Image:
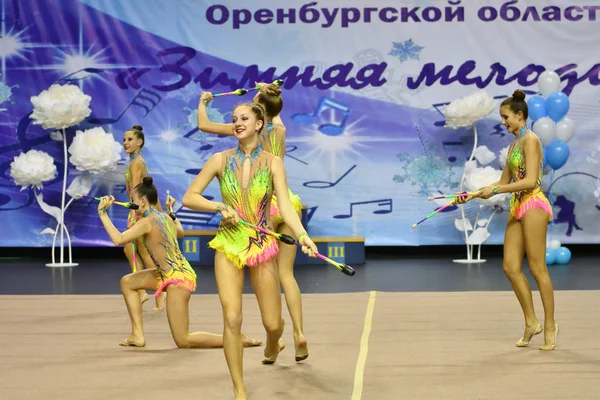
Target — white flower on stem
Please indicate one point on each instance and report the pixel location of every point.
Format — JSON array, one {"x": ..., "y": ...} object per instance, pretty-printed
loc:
[
  {"x": 484, "y": 155},
  {"x": 466, "y": 111},
  {"x": 32, "y": 168},
  {"x": 61, "y": 106},
  {"x": 95, "y": 151},
  {"x": 477, "y": 178}
]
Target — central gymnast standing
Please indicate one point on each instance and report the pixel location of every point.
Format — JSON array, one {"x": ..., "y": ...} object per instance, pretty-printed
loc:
[
  {"x": 272, "y": 140},
  {"x": 247, "y": 176}
]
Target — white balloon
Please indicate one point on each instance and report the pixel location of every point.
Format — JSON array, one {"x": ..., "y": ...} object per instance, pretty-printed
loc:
[
  {"x": 545, "y": 128},
  {"x": 565, "y": 128},
  {"x": 548, "y": 82},
  {"x": 554, "y": 244}
]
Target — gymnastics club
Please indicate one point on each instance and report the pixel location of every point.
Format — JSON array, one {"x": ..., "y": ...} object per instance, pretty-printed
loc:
[
  {"x": 237, "y": 92},
  {"x": 169, "y": 206},
  {"x": 435, "y": 212},
  {"x": 131, "y": 206},
  {"x": 345, "y": 268},
  {"x": 242, "y": 91},
  {"x": 452, "y": 196},
  {"x": 276, "y": 82}
]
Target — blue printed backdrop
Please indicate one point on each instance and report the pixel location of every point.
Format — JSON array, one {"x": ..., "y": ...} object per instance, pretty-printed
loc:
[{"x": 364, "y": 88}]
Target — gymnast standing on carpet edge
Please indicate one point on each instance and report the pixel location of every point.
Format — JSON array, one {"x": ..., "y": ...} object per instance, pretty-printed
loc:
[
  {"x": 158, "y": 233},
  {"x": 248, "y": 177},
  {"x": 530, "y": 213},
  {"x": 272, "y": 139},
  {"x": 133, "y": 143}
]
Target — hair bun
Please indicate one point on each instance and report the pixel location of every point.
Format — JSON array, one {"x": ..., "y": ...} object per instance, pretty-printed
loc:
[
  {"x": 147, "y": 181},
  {"x": 138, "y": 128},
  {"x": 519, "y": 95},
  {"x": 273, "y": 90}
]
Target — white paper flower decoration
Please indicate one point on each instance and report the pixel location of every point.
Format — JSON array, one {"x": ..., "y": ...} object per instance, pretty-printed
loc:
[
  {"x": 484, "y": 155},
  {"x": 95, "y": 151},
  {"x": 60, "y": 107},
  {"x": 466, "y": 111},
  {"x": 477, "y": 178},
  {"x": 32, "y": 168},
  {"x": 503, "y": 156}
]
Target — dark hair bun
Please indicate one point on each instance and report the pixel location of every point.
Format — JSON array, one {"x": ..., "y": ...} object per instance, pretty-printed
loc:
[
  {"x": 273, "y": 90},
  {"x": 519, "y": 95},
  {"x": 137, "y": 128},
  {"x": 147, "y": 181}
]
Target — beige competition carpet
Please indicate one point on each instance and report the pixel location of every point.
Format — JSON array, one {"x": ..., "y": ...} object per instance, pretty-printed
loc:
[{"x": 373, "y": 345}]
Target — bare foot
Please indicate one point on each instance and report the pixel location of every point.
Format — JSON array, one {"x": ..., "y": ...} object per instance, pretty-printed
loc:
[
  {"x": 271, "y": 358},
  {"x": 143, "y": 296},
  {"x": 249, "y": 342},
  {"x": 160, "y": 302},
  {"x": 240, "y": 394},
  {"x": 550, "y": 336},
  {"x": 133, "y": 341},
  {"x": 301, "y": 346},
  {"x": 530, "y": 331}
]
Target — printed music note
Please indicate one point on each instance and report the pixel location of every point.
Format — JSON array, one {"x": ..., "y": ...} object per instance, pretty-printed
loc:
[
  {"x": 289, "y": 149},
  {"x": 325, "y": 184},
  {"x": 145, "y": 99},
  {"x": 310, "y": 211},
  {"x": 122, "y": 188},
  {"x": 197, "y": 218},
  {"x": 90, "y": 71},
  {"x": 437, "y": 108},
  {"x": 380, "y": 203},
  {"x": 325, "y": 103},
  {"x": 454, "y": 149}
]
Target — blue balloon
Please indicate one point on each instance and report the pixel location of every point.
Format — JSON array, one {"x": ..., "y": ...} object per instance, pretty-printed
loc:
[
  {"x": 550, "y": 257},
  {"x": 537, "y": 108},
  {"x": 562, "y": 255},
  {"x": 557, "y": 105},
  {"x": 557, "y": 154}
]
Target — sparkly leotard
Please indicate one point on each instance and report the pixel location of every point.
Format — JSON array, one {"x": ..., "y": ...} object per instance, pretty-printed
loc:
[
  {"x": 247, "y": 186},
  {"x": 273, "y": 142},
  {"x": 525, "y": 200},
  {"x": 171, "y": 266},
  {"x": 133, "y": 217}
]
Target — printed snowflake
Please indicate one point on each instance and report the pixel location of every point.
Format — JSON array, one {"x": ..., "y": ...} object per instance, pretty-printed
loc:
[
  {"x": 213, "y": 114},
  {"x": 6, "y": 93},
  {"x": 405, "y": 51},
  {"x": 187, "y": 93},
  {"x": 428, "y": 172},
  {"x": 209, "y": 143}
]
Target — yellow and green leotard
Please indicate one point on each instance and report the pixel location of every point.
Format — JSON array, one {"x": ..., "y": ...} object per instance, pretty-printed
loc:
[
  {"x": 242, "y": 245},
  {"x": 525, "y": 200},
  {"x": 273, "y": 142},
  {"x": 171, "y": 266}
]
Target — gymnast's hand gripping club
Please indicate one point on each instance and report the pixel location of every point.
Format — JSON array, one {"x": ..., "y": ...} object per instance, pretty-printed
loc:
[
  {"x": 131, "y": 206},
  {"x": 454, "y": 197},
  {"x": 345, "y": 268}
]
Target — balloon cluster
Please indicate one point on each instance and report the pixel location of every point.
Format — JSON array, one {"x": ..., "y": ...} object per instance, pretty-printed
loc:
[
  {"x": 556, "y": 253},
  {"x": 550, "y": 122}
]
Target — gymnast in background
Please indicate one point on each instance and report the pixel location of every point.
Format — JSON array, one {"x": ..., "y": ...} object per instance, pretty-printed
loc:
[
  {"x": 170, "y": 271},
  {"x": 530, "y": 213},
  {"x": 138, "y": 257}
]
